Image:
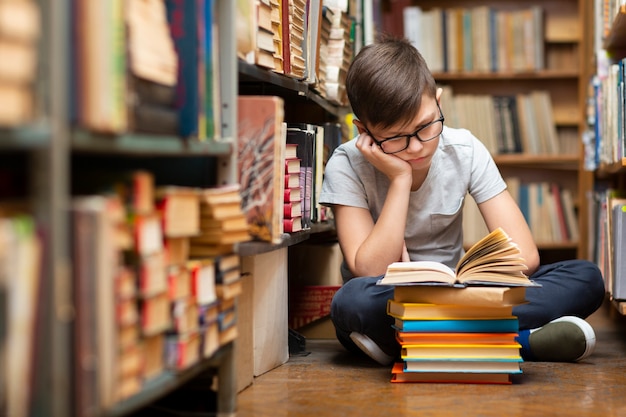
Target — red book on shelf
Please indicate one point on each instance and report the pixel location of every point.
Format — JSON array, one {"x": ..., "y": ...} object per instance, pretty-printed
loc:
[
  {"x": 292, "y": 194},
  {"x": 292, "y": 180},
  {"x": 293, "y": 224},
  {"x": 292, "y": 209},
  {"x": 292, "y": 165}
]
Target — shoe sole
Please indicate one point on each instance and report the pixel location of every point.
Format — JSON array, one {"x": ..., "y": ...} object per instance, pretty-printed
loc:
[{"x": 366, "y": 346}]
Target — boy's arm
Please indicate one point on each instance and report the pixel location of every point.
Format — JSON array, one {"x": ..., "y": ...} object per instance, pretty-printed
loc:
[
  {"x": 369, "y": 247},
  {"x": 503, "y": 211}
]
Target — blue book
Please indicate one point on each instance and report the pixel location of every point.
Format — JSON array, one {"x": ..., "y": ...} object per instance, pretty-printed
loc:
[
  {"x": 504, "y": 325},
  {"x": 184, "y": 20}
]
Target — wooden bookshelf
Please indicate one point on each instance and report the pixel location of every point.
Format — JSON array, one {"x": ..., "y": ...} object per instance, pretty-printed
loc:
[
  {"x": 49, "y": 145},
  {"x": 610, "y": 172}
]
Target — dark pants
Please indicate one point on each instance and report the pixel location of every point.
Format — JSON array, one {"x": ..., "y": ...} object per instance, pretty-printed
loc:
[{"x": 568, "y": 288}]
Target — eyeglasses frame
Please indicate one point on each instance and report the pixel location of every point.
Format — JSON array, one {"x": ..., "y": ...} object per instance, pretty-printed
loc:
[{"x": 409, "y": 136}]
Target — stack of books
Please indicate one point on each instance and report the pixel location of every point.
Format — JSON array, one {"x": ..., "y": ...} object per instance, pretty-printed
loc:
[
  {"x": 292, "y": 207},
  {"x": 459, "y": 327}
]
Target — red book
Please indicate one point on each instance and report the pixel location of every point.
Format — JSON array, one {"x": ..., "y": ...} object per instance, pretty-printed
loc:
[
  {"x": 292, "y": 165},
  {"x": 292, "y": 194},
  {"x": 292, "y": 209},
  {"x": 293, "y": 224},
  {"x": 292, "y": 180}
]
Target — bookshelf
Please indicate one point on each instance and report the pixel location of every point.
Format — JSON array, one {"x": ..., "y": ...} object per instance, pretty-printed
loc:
[
  {"x": 560, "y": 52},
  {"x": 51, "y": 149},
  {"x": 607, "y": 157},
  {"x": 265, "y": 341}
]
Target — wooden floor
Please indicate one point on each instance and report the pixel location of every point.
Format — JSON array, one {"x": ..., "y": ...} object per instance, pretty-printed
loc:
[{"x": 329, "y": 382}]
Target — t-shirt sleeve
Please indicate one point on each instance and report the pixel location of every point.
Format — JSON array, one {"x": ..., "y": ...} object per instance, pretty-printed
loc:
[
  {"x": 342, "y": 185},
  {"x": 486, "y": 181}
]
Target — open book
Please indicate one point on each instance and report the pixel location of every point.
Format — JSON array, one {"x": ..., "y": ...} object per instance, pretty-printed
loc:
[{"x": 494, "y": 260}]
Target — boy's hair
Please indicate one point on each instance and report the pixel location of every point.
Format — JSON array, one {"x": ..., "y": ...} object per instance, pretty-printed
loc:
[{"x": 386, "y": 81}]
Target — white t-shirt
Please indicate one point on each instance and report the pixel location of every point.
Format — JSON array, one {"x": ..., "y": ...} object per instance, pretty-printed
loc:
[{"x": 434, "y": 231}]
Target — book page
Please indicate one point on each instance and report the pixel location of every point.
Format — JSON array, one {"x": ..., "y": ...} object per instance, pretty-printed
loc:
[
  {"x": 417, "y": 271},
  {"x": 494, "y": 259}
]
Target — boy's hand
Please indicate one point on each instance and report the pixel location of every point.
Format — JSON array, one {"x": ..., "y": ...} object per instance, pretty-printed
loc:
[{"x": 390, "y": 165}]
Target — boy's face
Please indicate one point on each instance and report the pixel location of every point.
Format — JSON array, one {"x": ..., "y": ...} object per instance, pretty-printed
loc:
[{"x": 415, "y": 141}]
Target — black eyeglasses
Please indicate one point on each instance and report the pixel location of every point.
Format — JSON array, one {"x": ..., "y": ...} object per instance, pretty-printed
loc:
[{"x": 399, "y": 143}]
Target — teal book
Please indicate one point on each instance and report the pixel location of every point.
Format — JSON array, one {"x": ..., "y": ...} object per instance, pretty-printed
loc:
[{"x": 503, "y": 325}]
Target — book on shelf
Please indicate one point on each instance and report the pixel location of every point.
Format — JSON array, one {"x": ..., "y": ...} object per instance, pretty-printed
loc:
[
  {"x": 151, "y": 106},
  {"x": 199, "y": 250},
  {"x": 99, "y": 67},
  {"x": 211, "y": 114},
  {"x": 407, "y": 310},
  {"x": 185, "y": 24},
  {"x": 228, "y": 224},
  {"x": 203, "y": 280},
  {"x": 152, "y": 359},
  {"x": 245, "y": 21},
  {"x": 277, "y": 29},
  {"x": 493, "y": 260},
  {"x": 229, "y": 290},
  {"x": 292, "y": 180},
  {"x": 185, "y": 316},
  {"x": 154, "y": 313},
  {"x": 180, "y": 210},
  {"x": 292, "y": 209},
  {"x": 176, "y": 250},
  {"x": 151, "y": 274},
  {"x": 21, "y": 259},
  {"x": 20, "y": 30},
  {"x": 220, "y": 237},
  {"x": 97, "y": 265},
  {"x": 178, "y": 282},
  {"x": 19, "y": 106},
  {"x": 292, "y": 224},
  {"x": 296, "y": 33},
  {"x": 617, "y": 243},
  {"x": 261, "y": 164},
  {"x": 304, "y": 135},
  {"x": 399, "y": 375},
  {"x": 182, "y": 351},
  {"x": 293, "y": 194},
  {"x": 292, "y": 165}
]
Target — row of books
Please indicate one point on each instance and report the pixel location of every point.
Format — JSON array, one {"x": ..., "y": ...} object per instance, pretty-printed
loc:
[
  {"x": 302, "y": 39},
  {"x": 607, "y": 238},
  {"x": 145, "y": 66},
  {"x": 147, "y": 301},
  {"x": 548, "y": 208},
  {"x": 20, "y": 31},
  {"x": 477, "y": 39},
  {"x": 281, "y": 167},
  {"x": 458, "y": 326},
  {"x": 607, "y": 116},
  {"x": 522, "y": 123},
  {"x": 21, "y": 258}
]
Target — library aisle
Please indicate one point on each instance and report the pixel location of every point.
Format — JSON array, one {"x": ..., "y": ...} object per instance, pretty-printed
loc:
[{"x": 329, "y": 382}]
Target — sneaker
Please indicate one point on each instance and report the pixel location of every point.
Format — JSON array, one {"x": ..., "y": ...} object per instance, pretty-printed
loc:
[
  {"x": 566, "y": 339},
  {"x": 372, "y": 350}
]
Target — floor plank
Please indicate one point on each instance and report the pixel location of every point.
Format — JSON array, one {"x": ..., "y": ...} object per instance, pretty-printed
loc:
[{"x": 330, "y": 382}]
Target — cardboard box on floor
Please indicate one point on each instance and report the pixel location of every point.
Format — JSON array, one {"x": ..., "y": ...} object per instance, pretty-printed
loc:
[
  {"x": 263, "y": 342},
  {"x": 314, "y": 277}
]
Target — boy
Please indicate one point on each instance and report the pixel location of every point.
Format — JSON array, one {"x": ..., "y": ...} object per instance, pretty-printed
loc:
[{"x": 397, "y": 193}]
